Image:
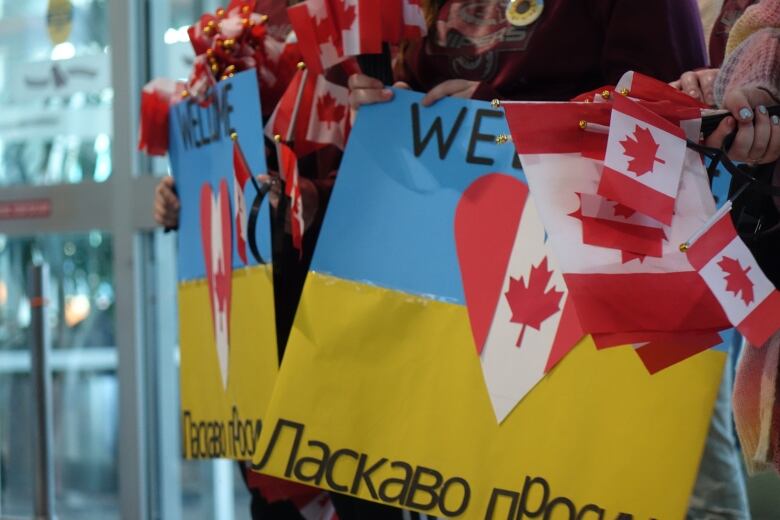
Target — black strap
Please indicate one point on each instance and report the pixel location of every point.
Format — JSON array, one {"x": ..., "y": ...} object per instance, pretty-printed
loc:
[
  {"x": 252, "y": 221},
  {"x": 744, "y": 172}
]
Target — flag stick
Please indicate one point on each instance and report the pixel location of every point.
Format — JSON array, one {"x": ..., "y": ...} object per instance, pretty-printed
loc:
[
  {"x": 234, "y": 137},
  {"x": 685, "y": 246}
]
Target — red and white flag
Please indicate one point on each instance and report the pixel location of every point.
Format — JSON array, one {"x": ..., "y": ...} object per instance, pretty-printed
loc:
[
  {"x": 748, "y": 298},
  {"x": 612, "y": 294},
  {"x": 241, "y": 175},
  {"x": 320, "y": 109},
  {"x": 607, "y": 223},
  {"x": 319, "y": 37},
  {"x": 360, "y": 24},
  {"x": 414, "y": 19},
  {"x": 644, "y": 160},
  {"x": 516, "y": 297},
  {"x": 288, "y": 167},
  {"x": 328, "y": 121}
]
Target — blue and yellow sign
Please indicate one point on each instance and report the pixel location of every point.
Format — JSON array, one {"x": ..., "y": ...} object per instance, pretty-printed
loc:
[
  {"x": 382, "y": 394},
  {"x": 227, "y": 333}
]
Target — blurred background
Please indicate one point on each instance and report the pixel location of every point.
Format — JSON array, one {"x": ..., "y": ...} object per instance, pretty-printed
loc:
[{"x": 75, "y": 193}]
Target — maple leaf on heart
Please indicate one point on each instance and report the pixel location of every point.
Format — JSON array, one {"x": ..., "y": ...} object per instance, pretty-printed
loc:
[
  {"x": 621, "y": 210},
  {"x": 221, "y": 286},
  {"x": 643, "y": 150},
  {"x": 737, "y": 279},
  {"x": 533, "y": 303},
  {"x": 329, "y": 111}
]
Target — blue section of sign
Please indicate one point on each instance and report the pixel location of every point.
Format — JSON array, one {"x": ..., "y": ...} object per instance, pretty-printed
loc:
[
  {"x": 390, "y": 220},
  {"x": 201, "y": 151}
]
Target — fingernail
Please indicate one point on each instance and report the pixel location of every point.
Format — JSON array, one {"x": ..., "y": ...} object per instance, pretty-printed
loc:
[
  {"x": 387, "y": 92},
  {"x": 745, "y": 113},
  {"x": 775, "y": 120},
  {"x": 762, "y": 109},
  {"x": 730, "y": 121}
]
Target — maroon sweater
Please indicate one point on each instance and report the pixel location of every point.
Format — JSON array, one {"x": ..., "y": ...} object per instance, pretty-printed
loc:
[{"x": 575, "y": 46}]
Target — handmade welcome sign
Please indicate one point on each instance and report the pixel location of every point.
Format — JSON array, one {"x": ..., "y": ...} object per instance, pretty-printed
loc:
[
  {"x": 436, "y": 362},
  {"x": 227, "y": 333}
]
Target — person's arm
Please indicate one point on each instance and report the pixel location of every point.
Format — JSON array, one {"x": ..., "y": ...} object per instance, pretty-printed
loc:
[{"x": 659, "y": 38}]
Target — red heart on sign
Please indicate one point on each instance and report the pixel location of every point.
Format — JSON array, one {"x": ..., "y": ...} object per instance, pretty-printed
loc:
[
  {"x": 215, "y": 230},
  {"x": 486, "y": 222}
]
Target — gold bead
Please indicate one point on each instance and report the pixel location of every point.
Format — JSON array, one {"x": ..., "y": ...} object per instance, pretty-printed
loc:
[
  {"x": 185, "y": 93},
  {"x": 220, "y": 13},
  {"x": 278, "y": 138},
  {"x": 208, "y": 30},
  {"x": 245, "y": 9},
  {"x": 606, "y": 94},
  {"x": 245, "y": 22},
  {"x": 495, "y": 103},
  {"x": 301, "y": 65},
  {"x": 501, "y": 139},
  {"x": 264, "y": 18},
  {"x": 624, "y": 91},
  {"x": 684, "y": 247},
  {"x": 214, "y": 68},
  {"x": 234, "y": 136},
  {"x": 582, "y": 124}
]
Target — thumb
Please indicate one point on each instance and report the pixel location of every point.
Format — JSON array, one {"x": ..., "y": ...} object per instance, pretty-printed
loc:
[
  {"x": 724, "y": 129},
  {"x": 401, "y": 84}
]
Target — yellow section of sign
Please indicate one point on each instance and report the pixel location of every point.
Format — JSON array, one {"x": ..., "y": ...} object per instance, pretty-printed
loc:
[
  {"x": 59, "y": 20},
  {"x": 395, "y": 376},
  {"x": 218, "y": 422}
]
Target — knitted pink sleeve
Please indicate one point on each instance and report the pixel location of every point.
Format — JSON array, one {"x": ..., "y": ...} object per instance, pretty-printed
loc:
[
  {"x": 755, "y": 63},
  {"x": 754, "y": 57}
]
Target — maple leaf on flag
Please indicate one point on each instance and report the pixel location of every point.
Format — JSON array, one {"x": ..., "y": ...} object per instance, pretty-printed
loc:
[
  {"x": 642, "y": 150},
  {"x": 532, "y": 304},
  {"x": 737, "y": 279},
  {"x": 329, "y": 111},
  {"x": 621, "y": 210},
  {"x": 345, "y": 16}
]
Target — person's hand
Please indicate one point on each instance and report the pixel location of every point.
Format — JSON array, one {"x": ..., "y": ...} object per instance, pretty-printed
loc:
[
  {"x": 274, "y": 190},
  {"x": 757, "y": 140},
  {"x": 166, "y": 204},
  {"x": 698, "y": 84},
  {"x": 459, "y": 88},
  {"x": 365, "y": 90}
]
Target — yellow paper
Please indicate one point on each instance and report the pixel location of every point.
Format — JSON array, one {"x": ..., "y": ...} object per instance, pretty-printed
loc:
[
  {"x": 396, "y": 376},
  {"x": 222, "y": 422}
]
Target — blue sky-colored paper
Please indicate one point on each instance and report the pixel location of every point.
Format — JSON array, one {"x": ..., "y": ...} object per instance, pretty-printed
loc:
[
  {"x": 390, "y": 221},
  {"x": 194, "y": 166}
]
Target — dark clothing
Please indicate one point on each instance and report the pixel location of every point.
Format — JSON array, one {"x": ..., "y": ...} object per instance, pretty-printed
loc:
[{"x": 575, "y": 46}]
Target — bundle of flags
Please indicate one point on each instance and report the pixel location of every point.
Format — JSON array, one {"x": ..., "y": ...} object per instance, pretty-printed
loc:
[
  {"x": 332, "y": 31},
  {"x": 619, "y": 191}
]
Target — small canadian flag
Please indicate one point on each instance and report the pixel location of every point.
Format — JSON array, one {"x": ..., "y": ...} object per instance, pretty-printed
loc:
[
  {"x": 606, "y": 223},
  {"x": 749, "y": 299},
  {"x": 318, "y": 35},
  {"x": 644, "y": 160},
  {"x": 361, "y": 25},
  {"x": 288, "y": 164},
  {"x": 241, "y": 175},
  {"x": 317, "y": 109}
]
